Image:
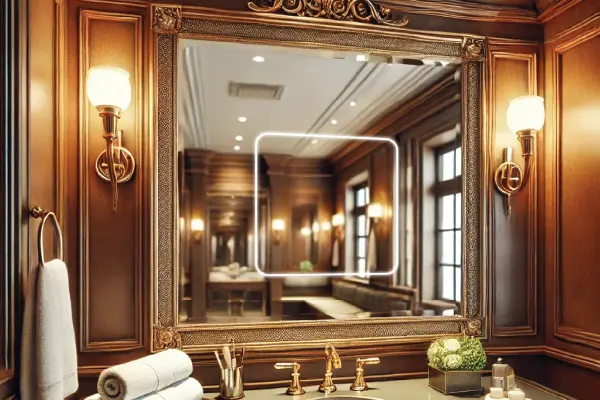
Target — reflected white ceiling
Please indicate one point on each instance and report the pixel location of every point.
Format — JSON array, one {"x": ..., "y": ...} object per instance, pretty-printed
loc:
[{"x": 318, "y": 87}]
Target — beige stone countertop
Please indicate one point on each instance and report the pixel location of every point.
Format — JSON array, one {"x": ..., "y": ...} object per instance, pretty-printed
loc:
[{"x": 412, "y": 389}]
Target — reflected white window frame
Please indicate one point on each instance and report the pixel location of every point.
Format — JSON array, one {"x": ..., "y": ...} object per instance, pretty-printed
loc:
[
  {"x": 441, "y": 151},
  {"x": 395, "y": 199}
]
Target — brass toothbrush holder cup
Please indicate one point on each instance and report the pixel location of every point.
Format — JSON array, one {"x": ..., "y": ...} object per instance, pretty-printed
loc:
[{"x": 231, "y": 386}]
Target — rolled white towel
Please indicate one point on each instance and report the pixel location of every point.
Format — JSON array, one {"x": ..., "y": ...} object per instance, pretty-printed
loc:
[
  {"x": 147, "y": 375},
  {"x": 188, "y": 389}
]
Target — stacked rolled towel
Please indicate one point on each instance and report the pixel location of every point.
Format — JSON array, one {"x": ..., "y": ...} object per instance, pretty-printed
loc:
[{"x": 161, "y": 376}]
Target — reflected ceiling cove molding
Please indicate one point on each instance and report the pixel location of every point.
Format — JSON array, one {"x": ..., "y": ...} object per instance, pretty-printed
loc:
[
  {"x": 366, "y": 11},
  {"x": 194, "y": 101}
]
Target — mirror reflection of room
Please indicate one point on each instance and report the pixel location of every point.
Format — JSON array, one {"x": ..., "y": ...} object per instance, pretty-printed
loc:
[{"x": 324, "y": 206}]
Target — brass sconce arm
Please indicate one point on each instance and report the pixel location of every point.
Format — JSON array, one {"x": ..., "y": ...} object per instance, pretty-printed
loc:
[
  {"x": 509, "y": 178},
  {"x": 527, "y": 140},
  {"x": 116, "y": 164}
]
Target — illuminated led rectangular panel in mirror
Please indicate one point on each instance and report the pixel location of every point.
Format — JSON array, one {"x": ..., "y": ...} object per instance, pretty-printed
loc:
[
  {"x": 350, "y": 248},
  {"x": 350, "y": 207}
]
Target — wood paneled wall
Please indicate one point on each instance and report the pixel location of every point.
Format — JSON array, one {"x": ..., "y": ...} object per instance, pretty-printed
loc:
[
  {"x": 513, "y": 70},
  {"x": 110, "y": 255},
  {"x": 571, "y": 190}
]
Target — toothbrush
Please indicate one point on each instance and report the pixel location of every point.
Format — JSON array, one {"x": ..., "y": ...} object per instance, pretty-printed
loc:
[
  {"x": 227, "y": 356},
  {"x": 218, "y": 359}
]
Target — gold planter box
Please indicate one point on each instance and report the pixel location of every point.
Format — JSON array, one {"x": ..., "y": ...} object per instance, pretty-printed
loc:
[{"x": 453, "y": 382}]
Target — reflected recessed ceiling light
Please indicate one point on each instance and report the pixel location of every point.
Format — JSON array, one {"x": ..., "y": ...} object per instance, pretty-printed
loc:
[
  {"x": 334, "y": 121},
  {"x": 242, "y": 119},
  {"x": 314, "y": 141},
  {"x": 239, "y": 138},
  {"x": 258, "y": 59},
  {"x": 361, "y": 57},
  {"x": 352, "y": 103},
  {"x": 236, "y": 147}
]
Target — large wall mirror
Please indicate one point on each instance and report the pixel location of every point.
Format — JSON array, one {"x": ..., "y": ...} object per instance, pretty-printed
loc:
[{"x": 385, "y": 233}]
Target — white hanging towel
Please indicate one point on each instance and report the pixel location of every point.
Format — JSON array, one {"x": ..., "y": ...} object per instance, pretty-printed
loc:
[
  {"x": 335, "y": 257},
  {"x": 49, "y": 351},
  {"x": 372, "y": 252}
]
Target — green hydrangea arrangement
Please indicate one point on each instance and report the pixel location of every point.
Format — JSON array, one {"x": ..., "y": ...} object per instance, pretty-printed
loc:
[{"x": 457, "y": 354}]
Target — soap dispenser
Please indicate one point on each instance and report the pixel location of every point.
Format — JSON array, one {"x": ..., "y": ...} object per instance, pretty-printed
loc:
[{"x": 500, "y": 372}]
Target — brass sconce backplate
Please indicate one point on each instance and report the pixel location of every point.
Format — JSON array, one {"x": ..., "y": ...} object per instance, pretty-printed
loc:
[
  {"x": 508, "y": 177},
  {"x": 124, "y": 163}
]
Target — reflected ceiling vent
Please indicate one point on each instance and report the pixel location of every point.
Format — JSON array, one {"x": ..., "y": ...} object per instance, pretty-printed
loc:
[{"x": 255, "y": 91}]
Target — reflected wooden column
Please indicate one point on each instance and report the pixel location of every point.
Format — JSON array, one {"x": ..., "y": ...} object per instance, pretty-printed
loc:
[
  {"x": 280, "y": 209},
  {"x": 197, "y": 162}
]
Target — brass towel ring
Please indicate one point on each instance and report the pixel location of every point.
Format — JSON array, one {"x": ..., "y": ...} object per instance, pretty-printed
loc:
[{"x": 38, "y": 212}]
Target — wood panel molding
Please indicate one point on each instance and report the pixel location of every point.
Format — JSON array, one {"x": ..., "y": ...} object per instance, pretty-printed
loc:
[
  {"x": 570, "y": 39},
  {"x": 572, "y": 358},
  {"x": 97, "y": 47},
  {"x": 554, "y": 9},
  {"x": 526, "y": 202}
]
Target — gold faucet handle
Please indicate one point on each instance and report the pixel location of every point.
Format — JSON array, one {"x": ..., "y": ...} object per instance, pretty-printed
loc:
[
  {"x": 366, "y": 361},
  {"x": 295, "y": 387},
  {"x": 359, "y": 383}
]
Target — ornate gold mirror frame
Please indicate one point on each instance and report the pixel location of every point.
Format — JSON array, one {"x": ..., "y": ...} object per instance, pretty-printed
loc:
[{"x": 343, "y": 25}]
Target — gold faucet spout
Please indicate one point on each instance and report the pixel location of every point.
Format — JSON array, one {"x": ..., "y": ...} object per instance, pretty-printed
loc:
[{"x": 332, "y": 360}]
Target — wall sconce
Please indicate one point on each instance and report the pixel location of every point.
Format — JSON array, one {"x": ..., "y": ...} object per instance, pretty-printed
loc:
[
  {"x": 325, "y": 226},
  {"x": 109, "y": 90},
  {"x": 337, "y": 221},
  {"x": 305, "y": 231},
  {"x": 278, "y": 226},
  {"x": 374, "y": 212},
  {"x": 525, "y": 116},
  {"x": 197, "y": 228}
]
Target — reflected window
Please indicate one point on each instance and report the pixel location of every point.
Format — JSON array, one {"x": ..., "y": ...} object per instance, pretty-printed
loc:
[
  {"x": 361, "y": 228},
  {"x": 448, "y": 222}
]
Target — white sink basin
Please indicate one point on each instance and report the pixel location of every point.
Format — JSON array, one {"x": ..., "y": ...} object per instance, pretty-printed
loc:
[{"x": 346, "y": 397}]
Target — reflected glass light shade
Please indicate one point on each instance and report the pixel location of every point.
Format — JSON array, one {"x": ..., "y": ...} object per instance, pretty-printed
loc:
[
  {"x": 315, "y": 227},
  {"x": 525, "y": 113},
  {"x": 326, "y": 226},
  {"x": 305, "y": 231},
  {"x": 278, "y": 224},
  {"x": 337, "y": 220},
  {"x": 375, "y": 210},
  {"x": 197, "y": 225},
  {"x": 108, "y": 86}
]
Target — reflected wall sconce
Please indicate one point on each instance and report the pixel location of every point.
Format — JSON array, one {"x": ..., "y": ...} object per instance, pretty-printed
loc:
[
  {"x": 375, "y": 212},
  {"x": 109, "y": 90},
  {"x": 337, "y": 221},
  {"x": 525, "y": 117},
  {"x": 305, "y": 231},
  {"x": 197, "y": 228},
  {"x": 325, "y": 226},
  {"x": 278, "y": 226}
]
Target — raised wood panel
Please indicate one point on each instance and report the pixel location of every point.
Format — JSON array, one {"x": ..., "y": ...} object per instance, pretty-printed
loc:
[
  {"x": 574, "y": 187},
  {"x": 513, "y": 275},
  {"x": 110, "y": 243}
]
